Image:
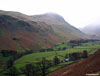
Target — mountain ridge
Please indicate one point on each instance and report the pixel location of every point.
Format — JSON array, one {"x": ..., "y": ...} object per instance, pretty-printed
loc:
[
  {"x": 93, "y": 30},
  {"x": 33, "y": 32}
]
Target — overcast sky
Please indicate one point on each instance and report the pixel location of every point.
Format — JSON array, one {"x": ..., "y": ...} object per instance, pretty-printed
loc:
[{"x": 79, "y": 13}]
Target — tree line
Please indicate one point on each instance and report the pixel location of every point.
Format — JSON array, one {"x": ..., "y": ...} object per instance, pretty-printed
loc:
[
  {"x": 41, "y": 67},
  {"x": 37, "y": 69},
  {"x": 74, "y": 43}
]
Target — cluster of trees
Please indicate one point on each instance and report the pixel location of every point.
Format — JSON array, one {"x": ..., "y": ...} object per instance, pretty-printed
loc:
[
  {"x": 83, "y": 41},
  {"x": 59, "y": 49},
  {"x": 56, "y": 60},
  {"x": 13, "y": 71},
  {"x": 6, "y": 53},
  {"x": 79, "y": 42},
  {"x": 40, "y": 68},
  {"x": 48, "y": 49},
  {"x": 77, "y": 55},
  {"x": 51, "y": 49},
  {"x": 13, "y": 55},
  {"x": 85, "y": 54},
  {"x": 37, "y": 69}
]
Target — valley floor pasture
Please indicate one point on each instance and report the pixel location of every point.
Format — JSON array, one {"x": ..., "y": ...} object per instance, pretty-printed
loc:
[
  {"x": 60, "y": 51},
  {"x": 91, "y": 47}
]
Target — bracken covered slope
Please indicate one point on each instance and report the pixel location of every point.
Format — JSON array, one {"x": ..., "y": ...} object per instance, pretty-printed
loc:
[
  {"x": 28, "y": 35},
  {"x": 34, "y": 32},
  {"x": 89, "y": 66}
]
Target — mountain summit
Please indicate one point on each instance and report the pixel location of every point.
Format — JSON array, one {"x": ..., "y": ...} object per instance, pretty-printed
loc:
[
  {"x": 18, "y": 30},
  {"x": 51, "y": 16}
]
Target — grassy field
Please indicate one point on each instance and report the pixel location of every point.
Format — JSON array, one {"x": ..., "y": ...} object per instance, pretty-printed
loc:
[{"x": 91, "y": 47}]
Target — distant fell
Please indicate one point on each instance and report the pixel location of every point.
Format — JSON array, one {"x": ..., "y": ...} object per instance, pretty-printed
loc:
[{"x": 93, "y": 30}]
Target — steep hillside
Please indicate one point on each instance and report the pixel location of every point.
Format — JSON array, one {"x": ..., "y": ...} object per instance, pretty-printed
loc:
[
  {"x": 30, "y": 36},
  {"x": 34, "y": 32},
  {"x": 89, "y": 66},
  {"x": 60, "y": 26}
]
